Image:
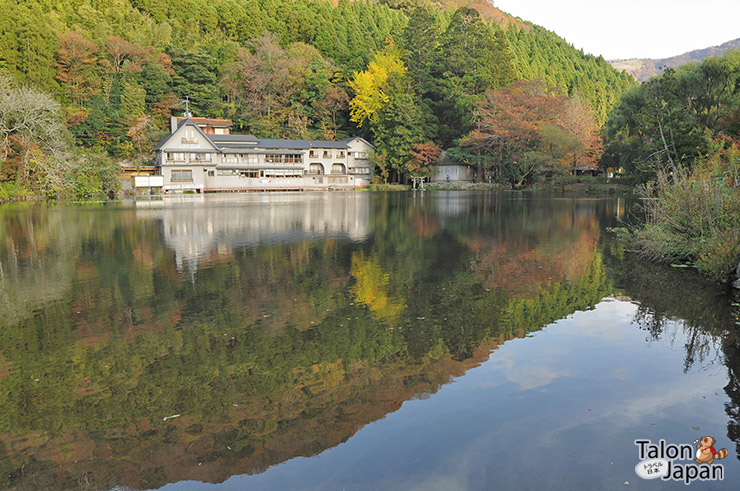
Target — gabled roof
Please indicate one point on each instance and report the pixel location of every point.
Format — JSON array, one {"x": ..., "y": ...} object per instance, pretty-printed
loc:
[
  {"x": 161, "y": 142},
  {"x": 184, "y": 122},
  {"x": 327, "y": 144},
  {"x": 222, "y": 142},
  {"x": 353, "y": 138}
]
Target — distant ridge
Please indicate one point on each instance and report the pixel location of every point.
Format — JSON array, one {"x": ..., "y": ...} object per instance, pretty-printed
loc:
[
  {"x": 486, "y": 8},
  {"x": 488, "y": 11},
  {"x": 645, "y": 68}
]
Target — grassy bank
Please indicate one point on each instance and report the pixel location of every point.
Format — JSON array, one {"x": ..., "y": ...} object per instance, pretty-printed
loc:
[
  {"x": 388, "y": 187},
  {"x": 461, "y": 186},
  {"x": 566, "y": 184},
  {"x": 692, "y": 217},
  {"x": 586, "y": 184}
]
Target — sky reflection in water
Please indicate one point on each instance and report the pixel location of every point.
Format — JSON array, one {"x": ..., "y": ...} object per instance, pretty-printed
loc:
[{"x": 559, "y": 409}]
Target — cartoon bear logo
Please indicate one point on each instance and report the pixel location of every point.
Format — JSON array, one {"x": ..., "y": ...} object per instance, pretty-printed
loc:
[{"x": 705, "y": 452}]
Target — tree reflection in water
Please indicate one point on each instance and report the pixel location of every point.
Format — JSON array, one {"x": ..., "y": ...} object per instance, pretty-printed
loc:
[{"x": 707, "y": 317}]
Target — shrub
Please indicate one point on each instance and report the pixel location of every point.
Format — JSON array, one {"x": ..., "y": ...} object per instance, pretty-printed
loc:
[
  {"x": 11, "y": 190},
  {"x": 94, "y": 177},
  {"x": 694, "y": 216}
]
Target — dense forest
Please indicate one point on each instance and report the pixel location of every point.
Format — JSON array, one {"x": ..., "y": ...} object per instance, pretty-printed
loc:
[{"x": 408, "y": 76}]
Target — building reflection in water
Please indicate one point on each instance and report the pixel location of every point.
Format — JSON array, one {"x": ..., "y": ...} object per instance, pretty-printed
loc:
[{"x": 195, "y": 227}]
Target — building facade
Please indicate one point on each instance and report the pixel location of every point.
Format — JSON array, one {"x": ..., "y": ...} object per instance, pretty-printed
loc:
[
  {"x": 191, "y": 160},
  {"x": 447, "y": 170}
]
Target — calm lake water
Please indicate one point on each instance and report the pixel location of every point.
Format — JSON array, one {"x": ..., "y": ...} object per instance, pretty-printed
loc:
[{"x": 437, "y": 340}]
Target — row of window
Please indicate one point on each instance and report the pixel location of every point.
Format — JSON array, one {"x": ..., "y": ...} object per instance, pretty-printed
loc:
[
  {"x": 278, "y": 158},
  {"x": 241, "y": 158},
  {"x": 251, "y": 158},
  {"x": 234, "y": 172},
  {"x": 194, "y": 157},
  {"x": 291, "y": 174},
  {"x": 360, "y": 170},
  {"x": 258, "y": 173},
  {"x": 326, "y": 154},
  {"x": 316, "y": 168},
  {"x": 186, "y": 175}
]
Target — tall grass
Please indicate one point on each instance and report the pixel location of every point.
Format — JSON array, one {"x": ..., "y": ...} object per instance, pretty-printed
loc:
[{"x": 693, "y": 216}]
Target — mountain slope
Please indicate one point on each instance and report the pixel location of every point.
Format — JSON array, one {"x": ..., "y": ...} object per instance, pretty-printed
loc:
[
  {"x": 645, "y": 68},
  {"x": 487, "y": 9}
]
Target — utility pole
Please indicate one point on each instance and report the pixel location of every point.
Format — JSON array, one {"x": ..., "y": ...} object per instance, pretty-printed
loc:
[{"x": 187, "y": 106}]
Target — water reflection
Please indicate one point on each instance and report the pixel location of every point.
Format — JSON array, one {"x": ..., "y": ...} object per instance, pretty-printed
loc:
[
  {"x": 197, "y": 226},
  {"x": 310, "y": 316}
]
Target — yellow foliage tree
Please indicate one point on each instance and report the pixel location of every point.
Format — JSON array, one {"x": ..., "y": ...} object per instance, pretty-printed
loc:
[{"x": 371, "y": 85}]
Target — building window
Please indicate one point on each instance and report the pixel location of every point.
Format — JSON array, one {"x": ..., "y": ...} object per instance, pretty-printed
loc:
[
  {"x": 327, "y": 154},
  {"x": 273, "y": 158},
  {"x": 360, "y": 170},
  {"x": 248, "y": 158},
  {"x": 250, "y": 173},
  {"x": 176, "y": 157},
  {"x": 337, "y": 169},
  {"x": 219, "y": 131},
  {"x": 315, "y": 169},
  {"x": 314, "y": 154},
  {"x": 188, "y": 138},
  {"x": 293, "y": 158},
  {"x": 211, "y": 173},
  {"x": 361, "y": 155},
  {"x": 200, "y": 157},
  {"x": 227, "y": 172},
  {"x": 230, "y": 158},
  {"x": 283, "y": 174},
  {"x": 182, "y": 175},
  {"x": 340, "y": 154}
]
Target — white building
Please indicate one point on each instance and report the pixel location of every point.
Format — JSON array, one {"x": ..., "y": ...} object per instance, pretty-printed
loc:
[
  {"x": 448, "y": 171},
  {"x": 191, "y": 160}
]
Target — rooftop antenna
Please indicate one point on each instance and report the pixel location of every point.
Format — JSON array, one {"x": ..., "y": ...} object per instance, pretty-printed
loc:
[{"x": 187, "y": 106}]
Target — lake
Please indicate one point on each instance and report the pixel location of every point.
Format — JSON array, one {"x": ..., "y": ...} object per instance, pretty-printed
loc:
[{"x": 358, "y": 340}]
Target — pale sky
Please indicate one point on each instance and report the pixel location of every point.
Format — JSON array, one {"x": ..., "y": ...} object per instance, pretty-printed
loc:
[{"x": 618, "y": 29}]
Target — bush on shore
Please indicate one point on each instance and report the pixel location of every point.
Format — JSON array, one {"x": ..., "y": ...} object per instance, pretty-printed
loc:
[
  {"x": 12, "y": 191},
  {"x": 693, "y": 216}
]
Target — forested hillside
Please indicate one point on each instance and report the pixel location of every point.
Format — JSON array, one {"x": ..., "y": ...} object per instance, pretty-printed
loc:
[{"x": 283, "y": 68}]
